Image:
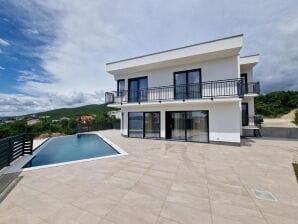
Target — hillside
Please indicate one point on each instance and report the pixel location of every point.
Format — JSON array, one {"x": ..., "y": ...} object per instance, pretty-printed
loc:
[
  {"x": 276, "y": 104},
  {"x": 76, "y": 111}
]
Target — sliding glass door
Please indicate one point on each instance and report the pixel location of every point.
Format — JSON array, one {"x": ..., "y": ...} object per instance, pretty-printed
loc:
[
  {"x": 187, "y": 84},
  {"x": 152, "y": 124},
  {"x": 137, "y": 89},
  {"x": 144, "y": 124},
  {"x": 188, "y": 126},
  {"x": 197, "y": 126},
  {"x": 135, "y": 124}
]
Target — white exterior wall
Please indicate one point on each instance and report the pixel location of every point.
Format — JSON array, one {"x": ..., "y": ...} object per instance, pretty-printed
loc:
[
  {"x": 249, "y": 73},
  {"x": 224, "y": 118},
  {"x": 219, "y": 69}
]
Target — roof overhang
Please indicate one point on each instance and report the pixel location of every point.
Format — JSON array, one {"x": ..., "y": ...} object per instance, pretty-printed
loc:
[
  {"x": 210, "y": 50},
  {"x": 248, "y": 62}
]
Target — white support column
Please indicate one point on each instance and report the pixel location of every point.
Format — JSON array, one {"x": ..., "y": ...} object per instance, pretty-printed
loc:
[{"x": 162, "y": 124}]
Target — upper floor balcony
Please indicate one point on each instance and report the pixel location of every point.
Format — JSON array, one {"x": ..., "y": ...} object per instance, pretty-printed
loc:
[{"x": 204, "y": 90}]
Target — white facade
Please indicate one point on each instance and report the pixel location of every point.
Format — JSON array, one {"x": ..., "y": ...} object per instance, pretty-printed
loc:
[{"x": 219, "y": 67}]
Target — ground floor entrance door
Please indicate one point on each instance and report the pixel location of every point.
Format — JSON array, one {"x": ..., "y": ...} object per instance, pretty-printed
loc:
[{"x": 187, "y": 126}]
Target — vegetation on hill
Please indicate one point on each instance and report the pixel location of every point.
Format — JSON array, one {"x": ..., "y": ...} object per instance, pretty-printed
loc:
[
  {"x": 61, "y": 121},
  {"x": 276, "y": 104},
  {"x": 296, "y": 118},
  {"x": 76, "y": 112}
]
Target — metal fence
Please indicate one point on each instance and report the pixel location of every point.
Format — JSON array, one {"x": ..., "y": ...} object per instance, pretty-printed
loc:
[
  {"x": 13, "y": 147},
  {"x": 97, "y": 127}
]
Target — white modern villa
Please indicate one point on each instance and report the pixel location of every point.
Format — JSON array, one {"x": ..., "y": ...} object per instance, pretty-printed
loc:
[{"x": 199, "y": 93}]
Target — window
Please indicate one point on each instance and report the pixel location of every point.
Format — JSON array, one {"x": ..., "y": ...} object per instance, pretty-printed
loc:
[
  {"x": 120, "y": 87},
  {"x": 187, "y": 84}
]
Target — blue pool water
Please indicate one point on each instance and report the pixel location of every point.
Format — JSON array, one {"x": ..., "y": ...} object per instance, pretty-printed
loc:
[{"x": 71, "y": 148}]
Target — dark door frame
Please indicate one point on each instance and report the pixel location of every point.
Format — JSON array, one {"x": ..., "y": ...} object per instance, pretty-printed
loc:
[
  {"x": 143, "y": 121},
  {"x": 134, "y": 79},
  {"x": 186, "y": 88},
  {"x": 244, "y": 75},
  {"x": 244, "y": 124},
  {"x": 168, "y": 127}
]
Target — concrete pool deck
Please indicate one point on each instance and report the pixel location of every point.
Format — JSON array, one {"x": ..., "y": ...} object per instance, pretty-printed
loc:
[{"x": 162, "y": 182}]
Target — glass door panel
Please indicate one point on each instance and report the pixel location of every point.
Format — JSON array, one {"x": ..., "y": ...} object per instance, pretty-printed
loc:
[
  {"x": 180, "y": 85},
  {"x": 197, "y": 126},
  {"x": 133, "y": 87},
  {"x": 177, "y": 125},
  {"x": 143, "y": 85},
  {"x": 135, "y": 124},
  {"x": 194, "y": 84},
  {"x": 152, "y": 124},
  {"x": 137, "y": 89},
  {"x": 244, "y": 81}
]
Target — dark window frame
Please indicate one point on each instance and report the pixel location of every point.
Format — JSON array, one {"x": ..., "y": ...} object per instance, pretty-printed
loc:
[{"x": 186, "y": 89}]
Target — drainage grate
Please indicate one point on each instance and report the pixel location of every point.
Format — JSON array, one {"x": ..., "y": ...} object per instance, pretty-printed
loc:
[{"x": 264, "y": 195}]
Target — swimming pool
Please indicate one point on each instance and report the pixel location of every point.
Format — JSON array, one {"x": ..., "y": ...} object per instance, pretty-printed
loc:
[{"x": 70, "y": 148}]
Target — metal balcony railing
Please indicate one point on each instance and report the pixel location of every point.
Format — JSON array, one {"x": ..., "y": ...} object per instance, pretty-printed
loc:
[
  {"x": 252, "y": 87},
  {"x": 210, "y": 89}
]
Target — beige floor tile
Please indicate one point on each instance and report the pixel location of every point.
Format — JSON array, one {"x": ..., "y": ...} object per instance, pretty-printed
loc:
[
  {"x": 232, "y": 199},
  {"x": 124, "y": 214},
  {"x": 189, "y": 200},
  {"x": 240, "y": 214},
  {"x": 163, "y": 220},
  {"x": 20, "y": 216},
  {"x": 95, "y": 205},
  {"x": 275, "y": 219},
  {"x": 156, "y": 181},
  {"x": 42, "y": 206},
  {"x": 150, "y": 190},
  {"x": 128, "y": 175},
  {"x": 108, "y": 191},
  {"x": 193, "y": 189},
  {"x": 121, "y": 182},
  {"x": 185, "y": 215},
  {"x": 144, "y": 202}
]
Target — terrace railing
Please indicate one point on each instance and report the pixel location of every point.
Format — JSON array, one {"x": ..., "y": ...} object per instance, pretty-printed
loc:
[
  {"x": 13, "y": 147},
  {"x": 210, "y": 89},
  {"x": 252, "y": 87}
]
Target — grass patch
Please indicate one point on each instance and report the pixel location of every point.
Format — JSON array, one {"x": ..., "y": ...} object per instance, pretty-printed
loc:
[{"x": 295, "y": 166}]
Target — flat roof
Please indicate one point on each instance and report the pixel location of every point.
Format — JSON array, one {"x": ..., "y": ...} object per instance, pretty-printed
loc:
[
  {"x": 208, "y": 50},
  {"x": 173, "y": 49}
]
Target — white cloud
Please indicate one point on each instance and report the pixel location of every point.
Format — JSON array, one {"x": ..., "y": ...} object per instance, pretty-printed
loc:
[
  {"x": 2, "y": 68},
  {"x": 19, "y": 104},
  {"x": 81, "y": 36},
  {"x": 4, "y": 42}
]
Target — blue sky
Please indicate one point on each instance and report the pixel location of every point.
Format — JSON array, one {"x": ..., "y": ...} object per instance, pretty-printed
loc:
[{"x": 53, "y": 53}]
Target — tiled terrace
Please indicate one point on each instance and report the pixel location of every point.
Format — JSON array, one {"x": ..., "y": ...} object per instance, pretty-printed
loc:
[{"x": 162, "y": 182}]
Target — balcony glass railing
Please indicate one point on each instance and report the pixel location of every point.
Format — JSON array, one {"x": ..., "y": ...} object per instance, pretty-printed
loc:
[{"x": 210, "y": 89}]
